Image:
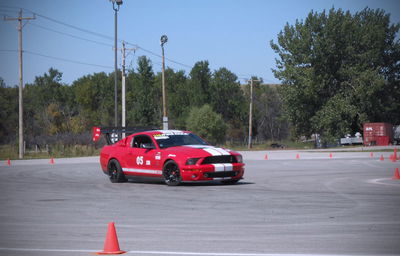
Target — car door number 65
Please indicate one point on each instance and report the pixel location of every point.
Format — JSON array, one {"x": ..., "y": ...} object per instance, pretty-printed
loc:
[{"x": 139, "y": 160}]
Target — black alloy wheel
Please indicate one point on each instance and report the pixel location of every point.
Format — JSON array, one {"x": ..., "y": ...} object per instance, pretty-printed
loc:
[
  {"x": 115, "y": 172},
  {"x": 171, "y": 173}
]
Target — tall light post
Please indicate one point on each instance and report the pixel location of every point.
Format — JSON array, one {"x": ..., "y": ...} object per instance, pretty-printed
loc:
[
  {"x": 163, "y": 40},
  {"x": 251, "y": 112},
  {"x": 116, "y": 5}
]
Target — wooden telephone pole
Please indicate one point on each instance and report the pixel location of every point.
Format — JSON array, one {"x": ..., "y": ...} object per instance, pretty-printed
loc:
[{"x": 21, "y": 85}]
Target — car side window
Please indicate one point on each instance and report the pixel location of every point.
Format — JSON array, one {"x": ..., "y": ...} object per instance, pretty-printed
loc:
[{"x": 140, "y": 140}]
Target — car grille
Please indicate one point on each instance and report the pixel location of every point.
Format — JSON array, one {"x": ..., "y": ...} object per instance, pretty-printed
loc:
[
  {"x": 227, "y": 159},
  {"x": 220, "y": 174}
]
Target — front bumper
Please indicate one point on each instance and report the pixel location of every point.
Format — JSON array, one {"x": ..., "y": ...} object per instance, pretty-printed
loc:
[{"x": 213, "y": 172}]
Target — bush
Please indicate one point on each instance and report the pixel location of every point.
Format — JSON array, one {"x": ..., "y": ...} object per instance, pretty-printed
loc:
[{"x": 207, "y": 124}]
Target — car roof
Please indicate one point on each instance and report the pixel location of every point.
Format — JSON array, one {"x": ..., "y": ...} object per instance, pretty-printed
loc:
[{"x": 168, "y": 132}]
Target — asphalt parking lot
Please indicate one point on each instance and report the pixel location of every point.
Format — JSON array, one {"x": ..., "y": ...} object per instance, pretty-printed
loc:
[{"x": 313, "y": 204}]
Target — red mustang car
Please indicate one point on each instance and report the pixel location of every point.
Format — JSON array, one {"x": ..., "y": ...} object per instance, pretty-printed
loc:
[{"x": 175, "y": 156}]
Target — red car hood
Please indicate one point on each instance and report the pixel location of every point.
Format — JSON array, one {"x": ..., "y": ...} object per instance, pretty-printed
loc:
[{"x": 199, "y": 151}]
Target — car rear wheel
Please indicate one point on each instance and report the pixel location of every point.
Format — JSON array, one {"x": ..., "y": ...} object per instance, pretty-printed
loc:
[
  {"x": 171, "y": 173},
  {"x": 115, "y": 172}
]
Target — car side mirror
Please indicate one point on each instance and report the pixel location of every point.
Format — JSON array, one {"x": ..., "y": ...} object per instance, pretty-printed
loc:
[{"x": 148, "y": 146}]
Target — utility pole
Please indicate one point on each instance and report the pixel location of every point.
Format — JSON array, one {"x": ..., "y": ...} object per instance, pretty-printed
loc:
[
  {"x": 251, "y": 111},
  {"x": 123, "y": 50},
  {"x": 21, "y": 84}
]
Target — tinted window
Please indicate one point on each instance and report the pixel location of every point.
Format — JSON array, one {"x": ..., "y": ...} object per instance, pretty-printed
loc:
[
  {"x": 139, "y": 140},
  {"x": 173, "y": 140}
]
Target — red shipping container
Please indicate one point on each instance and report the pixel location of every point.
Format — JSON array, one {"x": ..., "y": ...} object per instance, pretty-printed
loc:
[{"x": 380, "y": 134}]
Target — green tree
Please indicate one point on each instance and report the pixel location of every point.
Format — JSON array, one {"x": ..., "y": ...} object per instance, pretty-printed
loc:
[
  {"x": 339, "y": 70},
  {"x": 226, "y": 97},
  {"x": 47, "y": 90},
  {"x": 8, "y": 112},
  {"x": 146, "y": 96},
  {"x": 270, "y": 122},
  {"x": 94, "y": 95},
  {"x": 207, "y": 124},
  {"x": 199, "y": 83},
  {"x": 178, "y": 97}
]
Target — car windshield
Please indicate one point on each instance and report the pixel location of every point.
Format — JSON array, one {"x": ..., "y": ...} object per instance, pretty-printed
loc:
[{"x": 166, "y": 140}]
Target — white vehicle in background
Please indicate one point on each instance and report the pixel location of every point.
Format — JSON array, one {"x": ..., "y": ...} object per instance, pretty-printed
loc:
[
  {"x": 348, "y": 140},
  {"x": 396, "y": 134}
]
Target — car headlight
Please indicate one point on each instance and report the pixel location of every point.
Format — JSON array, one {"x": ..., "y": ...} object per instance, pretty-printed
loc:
[
  {"x": 192, "y": 161},
  {"x": 239, "y": 158}
]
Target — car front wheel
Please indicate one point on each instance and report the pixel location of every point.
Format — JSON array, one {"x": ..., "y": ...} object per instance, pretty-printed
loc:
[{"x": 171, "y": 173}]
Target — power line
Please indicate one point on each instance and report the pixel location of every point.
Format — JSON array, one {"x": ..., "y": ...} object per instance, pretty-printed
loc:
[
  {"x": 96, "y": 34},
  {"x": 8, "y": 50},
  {"x": 70, "y": 35},
  {"x": 59, "y": 22},
  {"x": 67, "y": 60},
  {"x": 158, "y": 55},
  {"x": 57, "y": 58}
]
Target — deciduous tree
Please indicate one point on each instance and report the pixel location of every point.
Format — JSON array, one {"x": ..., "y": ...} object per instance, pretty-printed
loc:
[{"x": 339, "y": 70}]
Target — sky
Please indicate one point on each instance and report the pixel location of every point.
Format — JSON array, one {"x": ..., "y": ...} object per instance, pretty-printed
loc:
[{"x": 76, "y": 37}]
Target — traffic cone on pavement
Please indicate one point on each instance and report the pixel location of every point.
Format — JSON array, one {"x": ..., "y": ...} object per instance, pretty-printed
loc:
[
  {"x": 111, "y": 245},
  {"x": 396, "y": 175},
  {"x": 371, "y": 154},
  {"x": 8, "y": 162},
  {"x": 330, "y": 155},
  {"x": 266, "y": 157},
  {"x": 297, "y": 156},
  {"x": 395, "y": 154},
  {"x": 381, "y": 158},
  {"x": 52, "y": 160}
]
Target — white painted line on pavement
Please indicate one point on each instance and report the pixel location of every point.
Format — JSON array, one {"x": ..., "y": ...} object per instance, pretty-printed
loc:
[
  {"x": 44, "y": 250},
  {"x": 173, "y": 253},
  {"x": 380, "y": 182},
  {"x": 228, "y": 254}
]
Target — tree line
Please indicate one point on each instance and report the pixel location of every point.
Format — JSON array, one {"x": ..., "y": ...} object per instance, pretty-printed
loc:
[{"x": 212, "y": 103}]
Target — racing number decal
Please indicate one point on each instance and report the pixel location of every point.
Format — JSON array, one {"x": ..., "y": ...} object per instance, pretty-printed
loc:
[{"x": 139, "y": 160}]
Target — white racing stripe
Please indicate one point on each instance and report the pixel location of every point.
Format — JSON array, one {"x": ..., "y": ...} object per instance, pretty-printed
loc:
[
  {"x": 222, "y": 151},
  {"x": 142, "y": 171},
  {"x": 223, "y": 167},
  {"x": 212, "y": 151},
  {"x": 219, "y": 167}
]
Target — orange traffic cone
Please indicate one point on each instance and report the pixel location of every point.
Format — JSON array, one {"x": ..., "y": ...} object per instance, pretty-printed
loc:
[
  {"x": 330, "y": 155},
  {"x": 393, "y": 158},
  {"x": 52, "y": 160},
  {"x": 111, "y": 245},
  {"x": 8, "y": 162},
  {"x": 266, "y": 157},
  {"x": 381, "y": 158},
  {"x": 395, "y": 154},
  {"x": 371, "y": 154},
  {"x": 396, "y": 175},
  {"x": 297, "y": 156}
]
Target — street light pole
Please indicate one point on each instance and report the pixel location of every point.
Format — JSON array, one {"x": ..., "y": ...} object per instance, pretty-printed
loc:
[
  {"x": 116, "y": 9},
  {"x": 251, "y": 113},
  {"x": 163, "y": 40}
]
